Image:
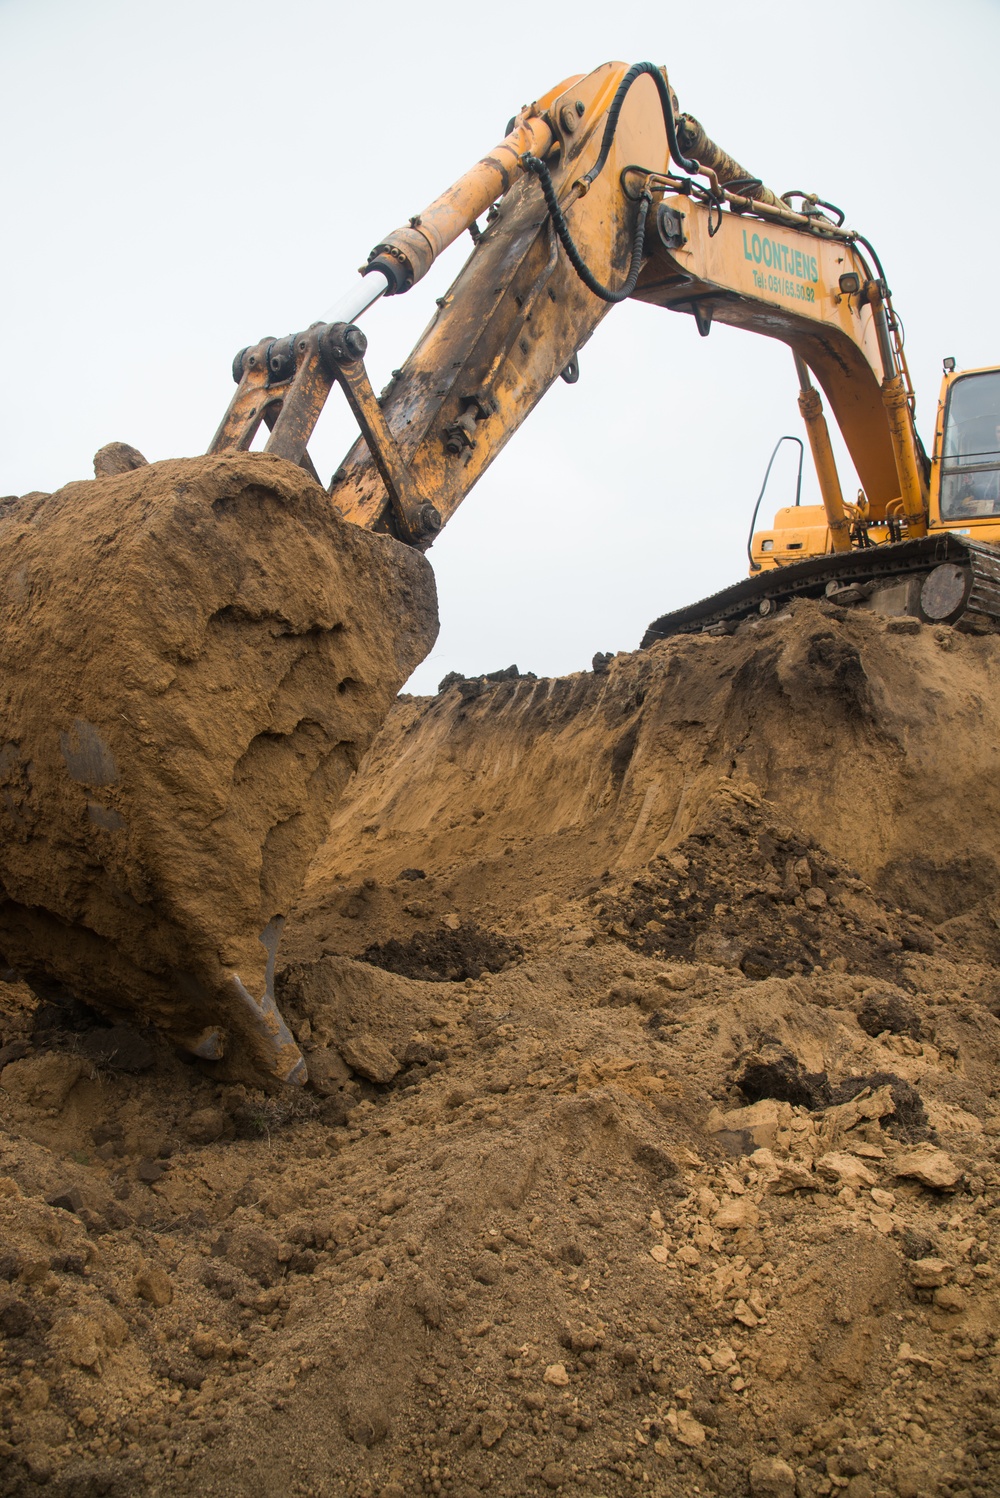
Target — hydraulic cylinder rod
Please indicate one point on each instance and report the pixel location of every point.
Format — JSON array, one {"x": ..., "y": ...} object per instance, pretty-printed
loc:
[
  {"x": 818, "y": 433},
  {"x": 408, "y": 253}
]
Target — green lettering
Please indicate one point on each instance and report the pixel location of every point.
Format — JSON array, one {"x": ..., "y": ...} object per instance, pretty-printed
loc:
[{"x": 755, "y": 246}]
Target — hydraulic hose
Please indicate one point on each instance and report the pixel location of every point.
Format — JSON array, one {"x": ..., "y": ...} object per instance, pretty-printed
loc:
[
  {"x": 667, "y": 105},
  {"x": 755, "y": 566},
  {"x": 538, "y": 169},
  {"x": 606, "y": 293}
]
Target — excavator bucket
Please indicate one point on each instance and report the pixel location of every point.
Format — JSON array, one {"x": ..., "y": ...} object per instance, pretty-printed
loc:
[{"x": 194, "y": 657}]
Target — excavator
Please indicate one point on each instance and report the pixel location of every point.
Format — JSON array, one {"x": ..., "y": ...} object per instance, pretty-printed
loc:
[
  {"x": 601, "y": 191},
  {"x": 185, "y": 790}
]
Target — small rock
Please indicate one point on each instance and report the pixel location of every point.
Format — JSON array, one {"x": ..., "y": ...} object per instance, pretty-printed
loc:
[
  {"x": 255, "y": 1252},
  {"x": 491, "y": 1428},
  {"x": 931, "y": 1167},
  {"x": 554, "y": 1476},
  {"x": 917, "y": 1245},
  {"x": 16, "y": 1316},
  {"x": 760, "y": 1121},
  {"x": 950, "y": 1298},
  {"x": 42, "y": 1081},
  {"x": 928, "y": 1274},
  {"x": 815, "y": 897},
  {"x": 772, "y": 1478},
  {"x": 150, "y": 1171},
  {"x": 369, "y": 1057},
  {"x": 743, "y": 1314},
  {"x": 738, "y": 1213},
  {"x": 556, "y": 1374},
  {"x": 452, "y": 920},
  {"x": 845, "y": 1169},
  {"x": 69, "y": 1199},
  {"x": 153, "y": 1284},
  {"x": 690, "y": 1432},
  {"x": 117, "y": 457}
]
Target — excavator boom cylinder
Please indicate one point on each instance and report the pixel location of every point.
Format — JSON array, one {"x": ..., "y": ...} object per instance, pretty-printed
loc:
[
  {"x": 811, "y": 406},
  {"x": 407, "y": 254}
]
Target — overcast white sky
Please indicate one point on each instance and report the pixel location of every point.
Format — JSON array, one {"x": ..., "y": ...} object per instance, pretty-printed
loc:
[{"x": 179, "y": 180}]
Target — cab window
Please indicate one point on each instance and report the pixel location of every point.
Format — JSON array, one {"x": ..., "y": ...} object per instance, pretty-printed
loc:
[{"x": 970, "y": 457}]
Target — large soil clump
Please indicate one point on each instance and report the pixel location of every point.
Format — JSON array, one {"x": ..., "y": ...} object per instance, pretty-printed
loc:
[{"x": 194, "y": 658}]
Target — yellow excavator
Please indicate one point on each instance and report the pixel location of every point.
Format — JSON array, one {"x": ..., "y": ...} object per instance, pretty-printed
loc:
[
  {"x": 195, "y": 654},
  {"x": 603, "y": 190}
]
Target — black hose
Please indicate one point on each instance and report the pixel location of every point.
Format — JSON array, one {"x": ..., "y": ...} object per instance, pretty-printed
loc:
[
  {"x": 755, "y": 566},
  {"x": 538, "y": 169},
  {"x": 667, "y": 105},
  {"x": 860, "y": 238}
]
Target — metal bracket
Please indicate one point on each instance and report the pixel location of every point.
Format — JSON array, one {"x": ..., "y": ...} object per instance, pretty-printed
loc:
[
  {"x": 285, "y": 383},
  {"x": 701, "y": 311},
  {"x": 670, "y": 227}
]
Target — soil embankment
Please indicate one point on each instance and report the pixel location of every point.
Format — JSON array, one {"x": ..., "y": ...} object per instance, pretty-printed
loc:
[{"x": 652, "y": 1137}]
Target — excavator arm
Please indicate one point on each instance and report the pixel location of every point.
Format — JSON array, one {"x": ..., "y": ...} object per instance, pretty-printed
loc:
[{"x": 599, "y": 190}]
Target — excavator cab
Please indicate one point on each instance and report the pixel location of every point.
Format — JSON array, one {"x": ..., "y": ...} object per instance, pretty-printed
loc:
[{"x": 967, "y": 460}]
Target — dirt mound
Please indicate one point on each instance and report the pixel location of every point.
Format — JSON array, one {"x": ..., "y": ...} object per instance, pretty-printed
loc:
[
  {"x": 698, "y": 1193},
  {"x": 195, "y": 656}
]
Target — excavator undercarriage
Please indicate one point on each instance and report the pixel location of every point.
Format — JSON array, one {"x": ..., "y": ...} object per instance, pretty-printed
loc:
[{"x": 941, "y": 579}]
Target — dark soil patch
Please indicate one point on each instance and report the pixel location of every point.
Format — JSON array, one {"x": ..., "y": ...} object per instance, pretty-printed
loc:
[
  {"x": 782, "y": 1077},
  {"x": 887, "y": 1011},
  {"x": 445, "y": 956},
  {"x": 730, "y": 895},
  {"x": 910, "y": 1118}
]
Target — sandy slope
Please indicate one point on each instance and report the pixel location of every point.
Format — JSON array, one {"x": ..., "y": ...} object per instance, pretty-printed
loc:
[{"x": 652, "y": 1137}]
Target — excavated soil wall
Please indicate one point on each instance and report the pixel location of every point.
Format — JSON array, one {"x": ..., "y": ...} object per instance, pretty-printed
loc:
[{"x": 652, "y": 1141}]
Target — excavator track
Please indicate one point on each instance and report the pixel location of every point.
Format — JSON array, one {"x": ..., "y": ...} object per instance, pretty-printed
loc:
[{"x": 956, "y": 581}]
